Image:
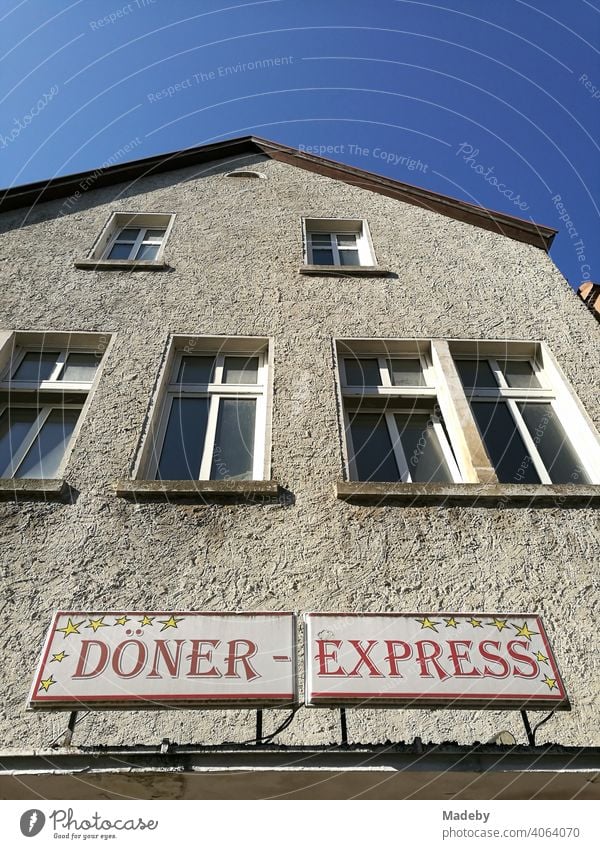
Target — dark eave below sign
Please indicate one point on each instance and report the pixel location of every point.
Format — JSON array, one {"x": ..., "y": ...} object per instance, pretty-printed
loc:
[{"x": 395, "y": 771}]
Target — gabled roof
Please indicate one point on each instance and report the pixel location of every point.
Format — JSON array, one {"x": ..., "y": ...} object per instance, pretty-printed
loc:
[{"x": 499, "y": 222}]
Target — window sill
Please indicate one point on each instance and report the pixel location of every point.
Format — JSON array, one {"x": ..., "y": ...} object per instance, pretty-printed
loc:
[
  {"x": 469, "y": 494},
  {"x": 200, "y": 491},
  {"x": 120, "y": 265},
  {"x": 32, "y": 489},
  {"x": 346, "y": 270}
]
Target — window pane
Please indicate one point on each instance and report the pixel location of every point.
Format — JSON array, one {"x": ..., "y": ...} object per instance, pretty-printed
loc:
[
  {"x": 154, "y": 234},
  {"x": 348, "y": 257},
  {"x": 120, "y": 251},
  {"x": 321, "y": 239},
  {"x": 128, "y": 235},
  {"x": 80, "y": 367},
  {"x": 407, "y": 373},
  {"x": 507, "y": 450},
  {"x": 321, "y": 257},
  {"x": 196, "y": 370},
  {"x": 45, "y": 455},
  {"x": 556, "y": 451},
  {"x": 14, "y": 427},
  {"x": 363, "y": 372},
  {"x": 519, "y": 374},
  {"x": 346, "y": 240},
  {"x": 181, "y": 453},
  {"x": 424, "y": 456},
  {"x": 148, "y": 252},
  {"x": 240, "y": 370},
  {"x": 233, "y": 454},
  {"x": 476, "y": 373},
  {"x": 373, "y": 454},
  {"x": 36, "y": 366}
]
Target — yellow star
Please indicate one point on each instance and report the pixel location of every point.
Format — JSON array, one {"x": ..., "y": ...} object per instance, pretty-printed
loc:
[
  {"x": 500, "y": 624},
  {"x": 551, "y": 682},
  {"x": 70, "y": 628},
  {"x": 476, "y": 623},
  {"x": 541, "y": 657},
  {"x": 171, "y": 622},
  {"x": 428, "y": 623},
  {"x": 97, "y": 623},
  {"x": 147, "y": 620},
  {"x": 451, "y": 623},
  {"x": 60, "y": 656},
  {"x": 122, "y": 620},
  {"x": 524, "y": 631},
  {"x": 45, "y": 685}
]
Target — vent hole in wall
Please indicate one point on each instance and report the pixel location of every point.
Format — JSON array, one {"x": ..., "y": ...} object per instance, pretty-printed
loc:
[{"x": 247, "y": 175}]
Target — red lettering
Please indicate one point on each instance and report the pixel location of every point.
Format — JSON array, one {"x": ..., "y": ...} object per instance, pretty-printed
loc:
[
  {"x": 142, "y": 657},
  {"x": 323, "y": 656},
  {"x": 233, "y": 658},
  {"x": 83, "y": 658},
  {"x": 393, "y": 658},
  {"x": 457, "y": 657},
  {"x": 524, "y": 658},
  {"x": 197, "y": 656},
  {"x": 425, "y": 659},
  {"x": 364, "y": 660},
  {"x": 163, "y": 651},
  {"x": 494, "y": 658}
]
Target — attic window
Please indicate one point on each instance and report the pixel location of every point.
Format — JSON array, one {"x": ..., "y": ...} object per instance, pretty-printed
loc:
[{"x": 247, "y": 175}]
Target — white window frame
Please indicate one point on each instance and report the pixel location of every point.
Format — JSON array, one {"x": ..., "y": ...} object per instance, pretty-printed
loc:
[
  {"x": 395, "y": 398},
  {"x": 334, "y": 227},
  {"x": 215, "y": 391},
  {"x": 137, "y": 243},
  {"x": 141, "y": 221},
  {"x": 37, "y": 393}
]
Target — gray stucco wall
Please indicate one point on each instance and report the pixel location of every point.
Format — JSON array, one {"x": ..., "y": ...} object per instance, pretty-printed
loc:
[{"x": 235, "y": 250}]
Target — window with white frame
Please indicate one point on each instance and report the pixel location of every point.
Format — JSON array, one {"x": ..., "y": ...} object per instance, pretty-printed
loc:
[
  {"x": 42, "y": 395},
  {"x": 133, "y": 237},
  {"x": 404, "y": 402},
  {"x": 213, "y": 419},
  {"x": 331, "y": 241}
]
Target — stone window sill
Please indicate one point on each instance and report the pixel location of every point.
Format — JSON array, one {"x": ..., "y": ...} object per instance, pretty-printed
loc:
[
  {"x": 32, "y": 489},
  {"x": 345, "y": 270},
  {"x": 199, "y": 491},
  {"x": 469, "y": 494},
  {"x": 120, "y": 265}
]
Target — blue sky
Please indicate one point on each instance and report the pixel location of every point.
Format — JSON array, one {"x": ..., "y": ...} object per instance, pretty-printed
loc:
[{"x": 497, "y": 103}]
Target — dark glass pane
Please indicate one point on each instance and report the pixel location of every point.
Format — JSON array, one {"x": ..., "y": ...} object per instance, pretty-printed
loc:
[
  {"x": 240, "y": 370},
  {"x": 80, "y": 367},
  {"x": 128, "y": 235},
  {"x": 348, "y": 257},
  {"x": 346, "y": 240},
  {"x": 519, "y": 374},
  {"x": 321, "y": 240},
  {"x": 233, "y": 454},
  {"x": 322, "y": 257},
  {"x": 424, "y": 456},
  {"x": 556, "y": 451},
  {"x": 373, "y": 454},
  {"x": 120, "y": 251},
  {"x": 507, "y": 450},
  {"x": 407, "y": 373},
  {"x": 363, "y": 372},
  {"x": 181, "y": 453},
  {"x": 196, "y": 370},
  {"x": 36, "y": 366},
  {"x": 15, "y": 423},
  {"x": 476, "y": 373},
  {"x": 154, "y": 234},
  {"x": 46, "y": 454},
  {"x": 148, "y": 252}
]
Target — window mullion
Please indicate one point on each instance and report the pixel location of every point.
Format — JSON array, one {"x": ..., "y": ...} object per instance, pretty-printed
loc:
[
  {"x": 334, "y": 249},
  {"x": 529, "y": 442},
  {"x": 137, "y": 244},
  {"x": 447, "y": 451},
  {"x": 60, "y": 362},
  {"x": 209, "y": 442},
  {"x": 384, "y": 372},
  {"x": 401, "y": 461}
]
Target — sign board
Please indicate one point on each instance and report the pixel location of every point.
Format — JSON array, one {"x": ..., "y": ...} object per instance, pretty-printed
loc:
[
  {"x": 416, "y": 660},
  {"x": 131, "y": 660}
]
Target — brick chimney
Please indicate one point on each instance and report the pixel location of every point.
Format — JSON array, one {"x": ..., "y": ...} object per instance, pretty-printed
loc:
[{"x": 590, "y": 295}]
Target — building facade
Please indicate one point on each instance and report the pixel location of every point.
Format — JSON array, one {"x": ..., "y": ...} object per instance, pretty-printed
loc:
[{"x": 299, "y": 388}]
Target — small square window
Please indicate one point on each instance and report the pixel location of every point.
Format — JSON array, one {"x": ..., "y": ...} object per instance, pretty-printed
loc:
[
  {"x": 337, "y": 242},
  {"x": 133, "y": 237}
]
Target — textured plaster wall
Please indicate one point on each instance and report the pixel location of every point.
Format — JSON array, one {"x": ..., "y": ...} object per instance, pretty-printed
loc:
[{"x": 235, "y": 250}]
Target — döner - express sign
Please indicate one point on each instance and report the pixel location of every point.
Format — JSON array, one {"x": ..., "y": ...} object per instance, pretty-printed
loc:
[
  {"x": 160, "y": 660},
  {"x": 452, "y": 660}
]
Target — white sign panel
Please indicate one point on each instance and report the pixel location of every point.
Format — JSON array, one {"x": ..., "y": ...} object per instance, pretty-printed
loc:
[
  {"x": 452, "y": 660},
  {"x": 136, "y": 659}
]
